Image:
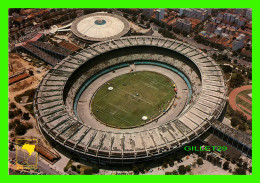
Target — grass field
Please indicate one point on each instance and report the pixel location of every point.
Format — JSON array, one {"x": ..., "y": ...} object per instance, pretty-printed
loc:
[
  {"x": 243, "y": 102},
  {"x": 134, "y": 95}
]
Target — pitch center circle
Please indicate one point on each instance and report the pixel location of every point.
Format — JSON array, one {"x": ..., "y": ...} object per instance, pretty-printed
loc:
[{"x": 134, "y": 95}]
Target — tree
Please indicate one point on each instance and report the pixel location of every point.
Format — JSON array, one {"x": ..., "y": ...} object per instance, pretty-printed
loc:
[
  {"x": 214, "y": 161},
  {"x": 226, "y": 68},
  {"x": 88, "y": 171},
  {"x": 188, "y": 168},
  {"x": 174, "y": 172},
  {"x": 26, "y": 116},
  {"x": 235, "y": 61},
  {"x": 239, "y": 171},
  {"x": 135, "y": 170},
  {"x": 12, "y": 105},
  {"x": 200, "y": 161},
  {"x": 11, "y": 115},
  {"x": 78, "y": 166},
  {"x": 165, "y": 164},
  {"x": 95, "y": 169},
  {"x": 249, "y": 75},
  {"x": 245, "y": 165},
  {"x": 242, "y": 127},
  {"x": 11, "y": 147},
  {"x": 141, "y": 168},
  {"x": 182, "y": 170},
  {"x": 19, "y": 111},
  {"x": 250, "y": 169},
  {"x": 226, "y": 165},
  {"x": 17, "y": 121},
  {"x": 78, "y": 170},
  {"x": 171, "y": 162},
  {"x": 73, "y": 168},
  {"x": 235, "y": 121},
  {"x": 228, "y": 157},
  {"x": 134, "y": 18},
  {"x": 236, "y": 80},
  {"x": 20, "y": 129},
  {"x": 65, "y": 169},
  {"x": 12, "y": 125},
  {"x": 31, "y": 72}
]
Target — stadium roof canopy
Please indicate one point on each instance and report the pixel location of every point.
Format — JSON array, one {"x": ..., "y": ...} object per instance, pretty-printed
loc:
[{"x": 100, "y": 26}]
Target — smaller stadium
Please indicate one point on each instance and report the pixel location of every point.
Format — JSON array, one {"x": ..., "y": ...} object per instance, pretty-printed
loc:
[{"x": 99, "y": 26}]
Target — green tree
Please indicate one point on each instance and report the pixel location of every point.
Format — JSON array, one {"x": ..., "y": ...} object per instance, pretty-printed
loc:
[
  {"x": 174, "y": 172},
  {"x": 171, "y": 162},
  {"x": 188, "y": 168},
  {"x": 236, "y": 80},
  {"x": 88, "y": 171},
  {"x": 226, "y": 165},
  {"x": 26, "y": 116},
  {"x": 20, "y": 129},
  {"x": 17, "y": 121},
  {"x": 12, "y": 105},
  {"x": 73, "y": 168},
  {"x": 200, "y": 161},
  {"x": 239, "y": 171},
  {"x": 95, "y": 169},
  {"x": 235, "y": 121},
  {"x": 135, "y": 170},
  {"x": 182, "y": 170},
  {"x": 168, "y": 173},
  {"x": 165, "y": 164},
  {"x": 11, "y": 115},
  {"x": 242, "y": 127}
]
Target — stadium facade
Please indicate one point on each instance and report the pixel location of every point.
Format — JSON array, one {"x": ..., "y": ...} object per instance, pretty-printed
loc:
[{"x": 56, "y": 99}]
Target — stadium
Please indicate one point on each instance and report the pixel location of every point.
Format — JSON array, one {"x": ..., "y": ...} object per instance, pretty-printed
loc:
[
  {"x": 100, "y": 26},
  {"x": 130, "y": 99}
]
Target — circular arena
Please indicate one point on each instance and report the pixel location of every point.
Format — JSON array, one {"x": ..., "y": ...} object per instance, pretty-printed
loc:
[
  {"x": 99, "y": 26},
  {"x": 63, "y": 100}
]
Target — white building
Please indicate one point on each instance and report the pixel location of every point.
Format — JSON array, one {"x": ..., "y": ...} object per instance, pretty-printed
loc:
[
  {"x": 238, "y": 43},
  {"x": 249, "y": 14},
  {"x": 218, "y": 31},
  {"x": 183, "y": 25},
  {"x": 159, "y": 14}
]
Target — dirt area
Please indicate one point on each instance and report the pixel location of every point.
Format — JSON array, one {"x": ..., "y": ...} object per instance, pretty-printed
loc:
[
  {"x": 15, "y": 66},
  {"x": 19, "y": 64},
  {"x": 138, "y": 29},
  {"x": 208, "y": 169}
]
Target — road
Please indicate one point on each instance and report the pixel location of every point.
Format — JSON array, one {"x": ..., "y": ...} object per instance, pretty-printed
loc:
[{"x": 41, "y": 165}]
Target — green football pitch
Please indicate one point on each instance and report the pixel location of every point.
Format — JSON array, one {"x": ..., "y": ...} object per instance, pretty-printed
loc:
[{"x": 134, "y": 95}]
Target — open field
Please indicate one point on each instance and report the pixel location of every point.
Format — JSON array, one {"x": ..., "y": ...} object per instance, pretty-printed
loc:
[
  {"x": 134, "y": 95},
  {"x": 241, "y": 101},
  {"x": 244, "y": 101},
  {"x": 245, "y": 94}
]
